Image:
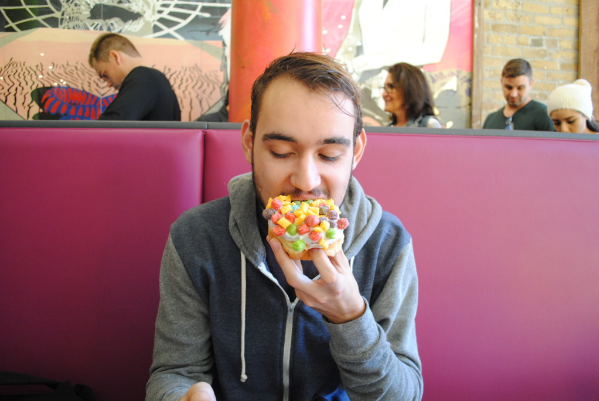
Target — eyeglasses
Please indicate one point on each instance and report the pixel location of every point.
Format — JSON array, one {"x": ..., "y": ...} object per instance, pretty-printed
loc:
[
  {"x": 509, "y": 123},
  {"x": 388, "y": 88}
]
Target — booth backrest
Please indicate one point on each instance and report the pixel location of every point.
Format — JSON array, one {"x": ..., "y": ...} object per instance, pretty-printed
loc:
[
  {"x": 504, "y": 229},
  {"x": 84, "y": 216},
  {"x": 224, "y": 160},
  {"x": 505, "y": 233}
]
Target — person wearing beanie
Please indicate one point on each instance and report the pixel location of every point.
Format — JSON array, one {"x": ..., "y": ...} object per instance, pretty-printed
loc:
[
  {"x": 570, "y": 107},
  {"x": 520, "y": 112}
]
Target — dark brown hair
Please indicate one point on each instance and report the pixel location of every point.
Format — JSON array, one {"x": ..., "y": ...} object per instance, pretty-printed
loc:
[
  {"x": 516, "y": 67},
  {"x": 110, "y": 41},
  {"x": 319, "y": 73},
  {"x": 417, "y": 95}
]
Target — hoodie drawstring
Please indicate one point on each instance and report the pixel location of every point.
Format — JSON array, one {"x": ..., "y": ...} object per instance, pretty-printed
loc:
[{"x": 243, "y": 377}]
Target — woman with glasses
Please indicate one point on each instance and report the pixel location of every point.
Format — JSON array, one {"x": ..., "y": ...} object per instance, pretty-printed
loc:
[
  {"x": 408, "y": 98},
  {"x": 571, "y": 108}
]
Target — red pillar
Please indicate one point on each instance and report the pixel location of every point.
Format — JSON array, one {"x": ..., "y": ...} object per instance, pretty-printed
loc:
[{"x": 262, "y": 30}]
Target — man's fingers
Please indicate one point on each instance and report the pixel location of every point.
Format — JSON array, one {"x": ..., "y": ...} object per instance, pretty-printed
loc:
[
  {"x": 200, "y": 392},
  {"x": 329, "y": 266},
  {"x": 323, "y": 264},
  {"x": 293, "y": 273}
]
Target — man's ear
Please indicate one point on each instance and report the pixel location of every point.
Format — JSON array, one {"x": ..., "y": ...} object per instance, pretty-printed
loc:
[
  {"x": 247, "y": 140},
  {"x": 115, "y": 56},
  {"x": 359, "y": 148}
]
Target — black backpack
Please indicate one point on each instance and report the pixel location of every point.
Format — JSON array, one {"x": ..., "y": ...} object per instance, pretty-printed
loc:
[{"x": 62, "y": 391}]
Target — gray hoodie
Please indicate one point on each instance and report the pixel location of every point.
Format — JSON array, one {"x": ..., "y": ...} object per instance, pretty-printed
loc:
[{"x": 225, "y": 319}]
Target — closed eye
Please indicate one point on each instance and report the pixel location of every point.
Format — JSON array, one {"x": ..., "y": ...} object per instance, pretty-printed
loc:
[
  {"x": 279, "y": 155},
  {"x": 329, "y": 158}
]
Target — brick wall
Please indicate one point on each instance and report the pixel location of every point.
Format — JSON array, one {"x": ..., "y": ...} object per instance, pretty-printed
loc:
[{"x": 544, "y": 32}]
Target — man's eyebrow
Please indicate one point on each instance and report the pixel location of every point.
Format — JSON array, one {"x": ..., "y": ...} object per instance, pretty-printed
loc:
[
  {"x": 339, "y": 140},
  {"x": 276, "y": 136},
  {"x": 336, "y": 140}
]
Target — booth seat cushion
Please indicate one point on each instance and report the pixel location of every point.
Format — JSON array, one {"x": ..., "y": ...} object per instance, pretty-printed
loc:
[
  {"x": 85, "y": 216},
  {"x": 224, "y": 159},
  {"x": 505, "y": 234}
]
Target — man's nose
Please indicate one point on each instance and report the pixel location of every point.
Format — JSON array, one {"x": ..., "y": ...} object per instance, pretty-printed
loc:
[{"x": 306, "y": 176}]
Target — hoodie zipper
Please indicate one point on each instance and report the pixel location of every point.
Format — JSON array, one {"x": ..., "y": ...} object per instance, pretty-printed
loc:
[{"x": 287, "y": 348}]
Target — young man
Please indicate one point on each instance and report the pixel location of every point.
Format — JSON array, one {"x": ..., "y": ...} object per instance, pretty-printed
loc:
[
  {"x": 520, "y": 112},
  {"x": 238, "y": 319},
  {"x": 144, "y": 93}
]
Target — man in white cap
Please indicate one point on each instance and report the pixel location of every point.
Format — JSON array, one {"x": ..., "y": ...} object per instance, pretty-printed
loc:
[{"x": 570, "y": 107}]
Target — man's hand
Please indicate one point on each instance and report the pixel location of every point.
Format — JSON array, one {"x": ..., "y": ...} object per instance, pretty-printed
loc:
[
  {"x": 335, "y": 294},
  {"x": 199, "y": 392}
]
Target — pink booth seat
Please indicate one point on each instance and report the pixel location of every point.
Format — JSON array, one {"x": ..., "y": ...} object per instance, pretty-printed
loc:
[
  {"x": 505, "y": 232},
  {"x": 84, "y": 216},
  {"x": 223, "y": 160}
]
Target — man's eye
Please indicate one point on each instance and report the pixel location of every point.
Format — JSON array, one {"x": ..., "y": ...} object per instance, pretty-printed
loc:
[
  {"x": 329, "y": 158},
  {"x": 279, "y": 155}
]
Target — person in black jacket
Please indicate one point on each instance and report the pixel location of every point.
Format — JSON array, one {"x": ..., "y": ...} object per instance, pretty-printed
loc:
[
  {"x": 144, "y": 93},
  {"x": 220, "y": 116}
]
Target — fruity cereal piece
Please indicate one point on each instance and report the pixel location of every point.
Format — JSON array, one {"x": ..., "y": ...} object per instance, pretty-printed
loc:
[
  {"x": 268, "y": 213},
  {"x": 278, "y": 230},
  {"x": 290, "y": 216},
  {"x": 303, "y": 229},
  {"x": 276, "y": 203},
  {"x": 312, "y": 220},
  {"x": 323, "y": 243},
  {"x": 298, "y": 245},
  {"x": 300, "y": 220},
  {"x": 283, "y": 222},
  {"x": 342, "y": 223},
  {"x": 315, "y": 236}
]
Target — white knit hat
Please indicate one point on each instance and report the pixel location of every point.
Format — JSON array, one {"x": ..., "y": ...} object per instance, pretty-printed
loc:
[{"x": 574, "y": 96}]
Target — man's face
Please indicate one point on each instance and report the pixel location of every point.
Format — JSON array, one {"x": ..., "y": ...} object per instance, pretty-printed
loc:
[
  {"x": 303, "y": 145},
  {"x": 516, "y": 89},
  {"x": 110, "y": 71}
]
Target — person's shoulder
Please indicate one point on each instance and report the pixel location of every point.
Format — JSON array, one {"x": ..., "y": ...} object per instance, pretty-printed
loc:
[
  {"x": 205, "y": 215},
  {"x": 493, "y": 118},
  {"x": 432, "y": 122},
  {"x": 143, "y": 73},
  {"x": 391, "y": 226},
  {"x": 537, "y": 106}
]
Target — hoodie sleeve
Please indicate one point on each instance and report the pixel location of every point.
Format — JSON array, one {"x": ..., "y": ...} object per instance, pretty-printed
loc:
[
  {"x": 182, "y": 350},
  {"x": 377, "y": 354}
]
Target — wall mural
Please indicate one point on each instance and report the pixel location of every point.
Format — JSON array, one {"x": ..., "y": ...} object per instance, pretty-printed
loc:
[{"x": 44, "y": 46}]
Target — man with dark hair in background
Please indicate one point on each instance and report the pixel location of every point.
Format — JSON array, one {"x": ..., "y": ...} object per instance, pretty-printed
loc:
[
  {"x": 144, "y": 93},
  {"x": 521, "y": 112}
]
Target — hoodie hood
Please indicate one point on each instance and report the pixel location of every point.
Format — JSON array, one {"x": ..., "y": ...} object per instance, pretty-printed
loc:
[{"x": 362, "y": 211}]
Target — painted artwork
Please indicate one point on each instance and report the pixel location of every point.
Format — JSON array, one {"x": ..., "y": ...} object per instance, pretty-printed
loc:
[{"x": 44, "y": 47}]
